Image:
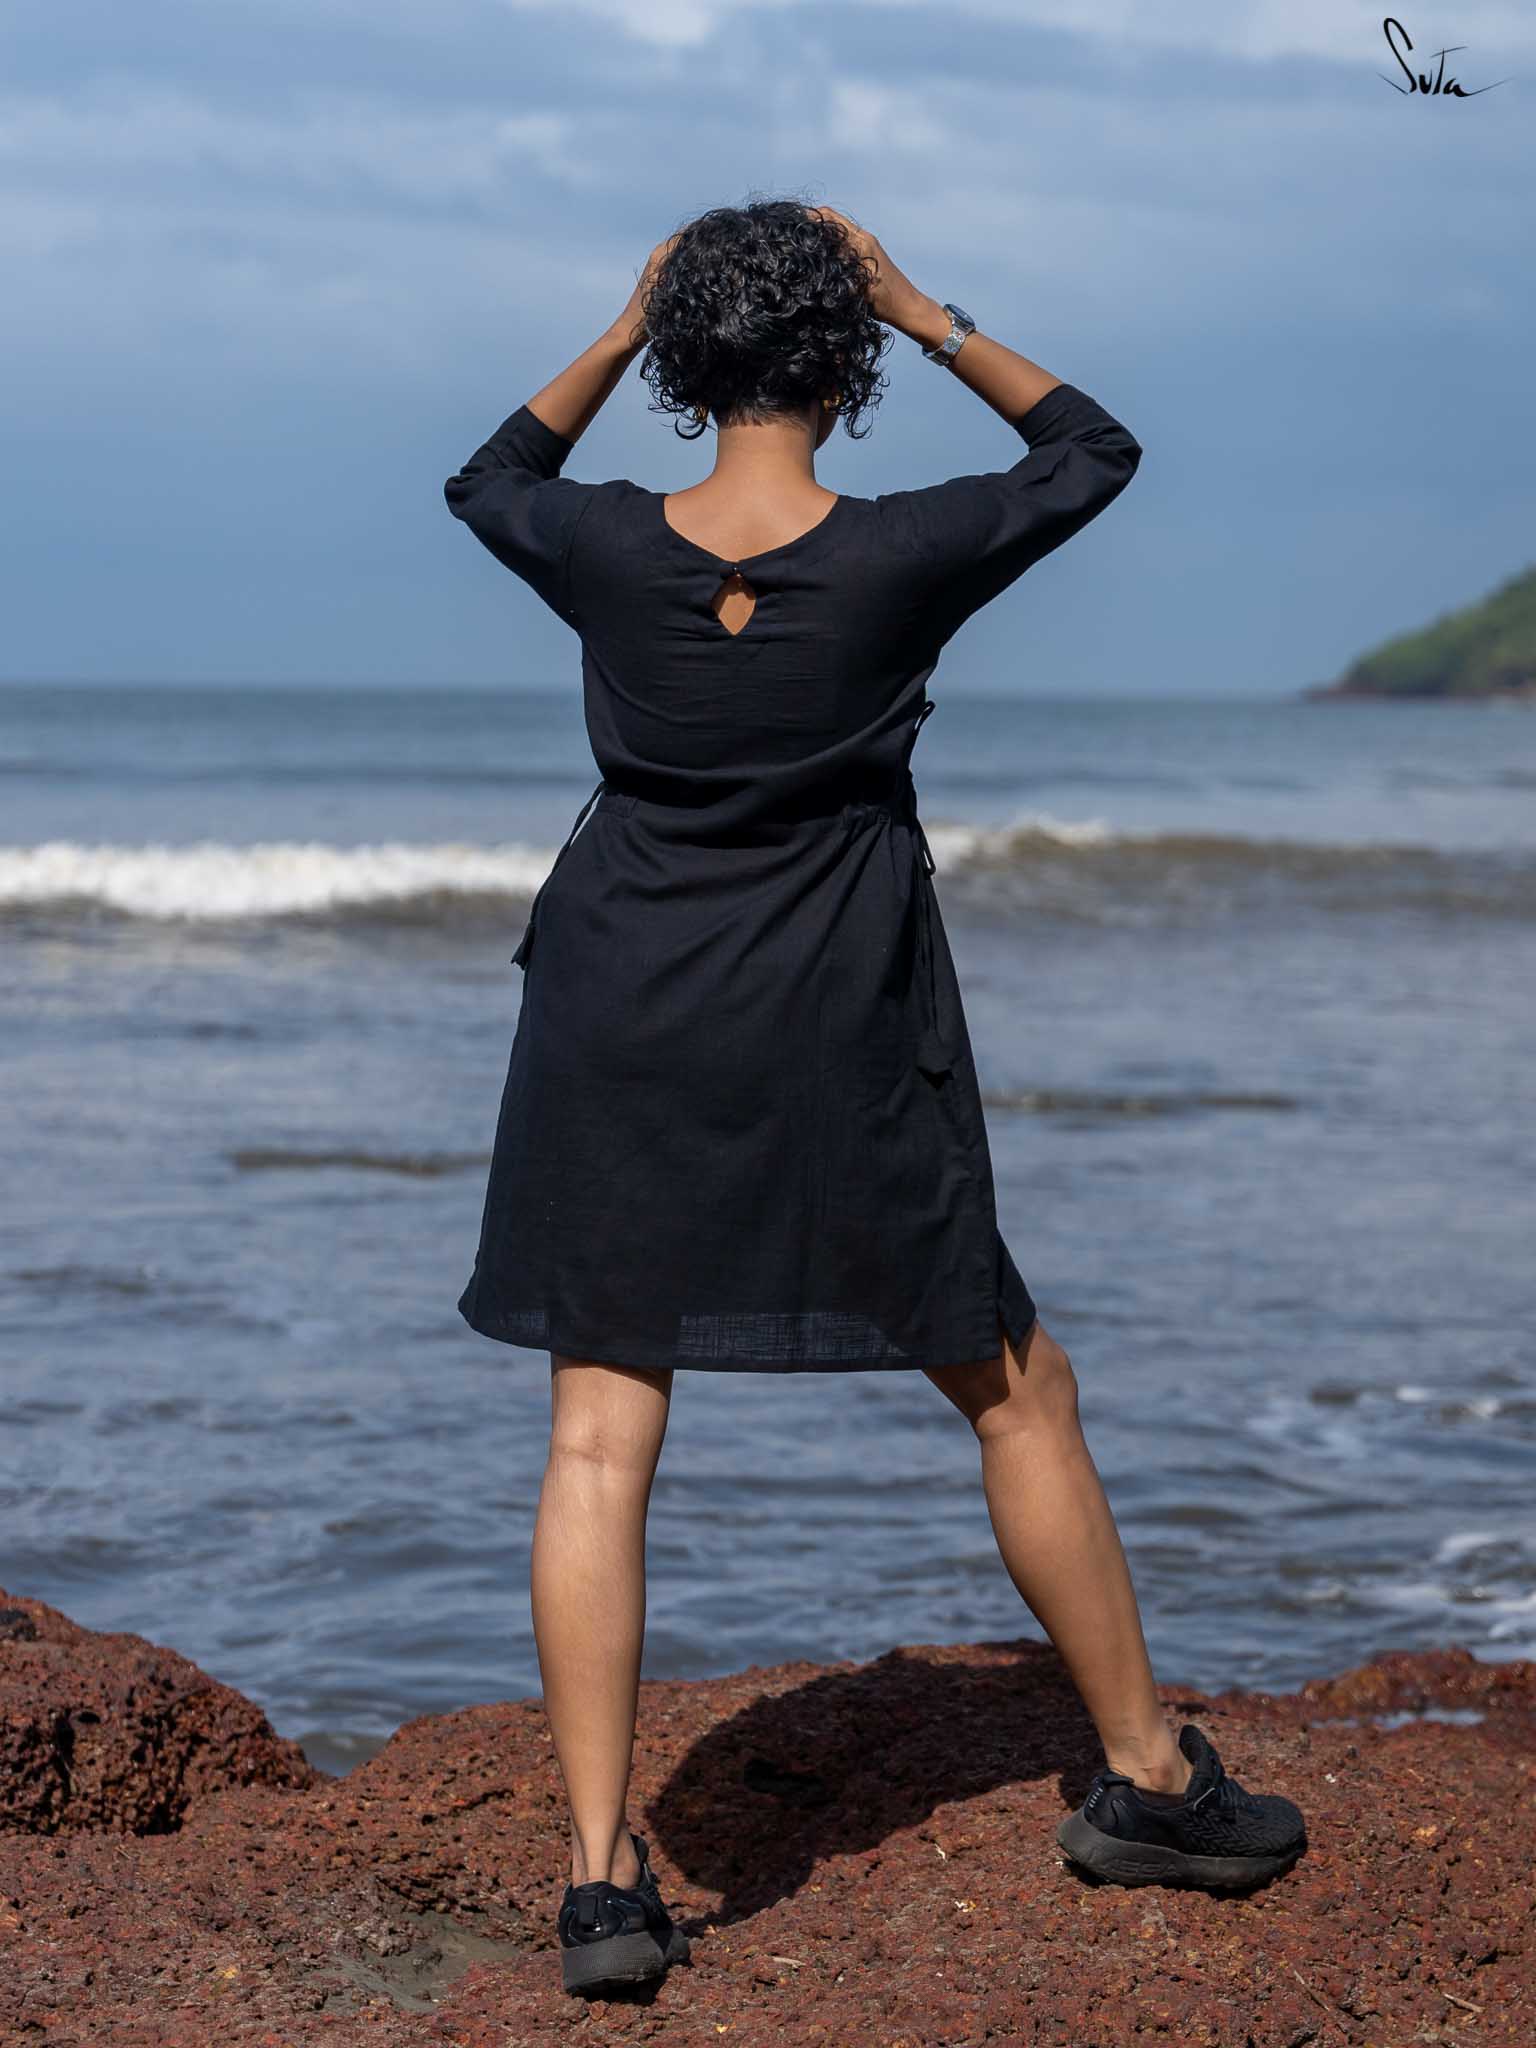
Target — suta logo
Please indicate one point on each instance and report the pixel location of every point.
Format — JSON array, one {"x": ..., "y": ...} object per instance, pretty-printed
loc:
[{"x": 1438, "y": 86}]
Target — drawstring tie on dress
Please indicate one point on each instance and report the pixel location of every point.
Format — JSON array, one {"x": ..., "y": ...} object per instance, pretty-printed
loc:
[
  {"x": 525, "y": 944},
  {"x": 932, "y": 1054}
]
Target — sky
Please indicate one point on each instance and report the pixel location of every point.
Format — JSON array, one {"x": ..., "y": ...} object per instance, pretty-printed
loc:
[{"x": 274, "y": 268}]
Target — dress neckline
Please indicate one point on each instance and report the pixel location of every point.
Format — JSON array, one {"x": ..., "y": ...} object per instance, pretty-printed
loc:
[{"x": 728, "y": 562}]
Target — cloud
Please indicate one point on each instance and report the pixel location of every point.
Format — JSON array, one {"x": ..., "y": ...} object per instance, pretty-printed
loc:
[
  {"x": 331, "y": 144},
  {"x": 1339, "y": 31},
  {"x": 276, "y": 238},
  {"x": 159, "y": 217}
]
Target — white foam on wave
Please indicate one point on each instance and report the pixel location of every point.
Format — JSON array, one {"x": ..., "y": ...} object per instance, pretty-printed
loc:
[
  {"x": 1297, "y": 1418},
  {"x": 1499, "y": 1617},
  {"x": 211, "y": 880},
  {"x": 961, "y": 845},
  {"x": 1466, "y": 1544},
  {"x": 1483, "y": 1406}
]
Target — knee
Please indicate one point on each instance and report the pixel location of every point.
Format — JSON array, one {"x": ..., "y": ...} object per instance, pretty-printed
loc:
[
  {"x": 1040, "y": 1397},
  {"x": 588, "y": 1445},
  {"x": 607, "y": 1422}
]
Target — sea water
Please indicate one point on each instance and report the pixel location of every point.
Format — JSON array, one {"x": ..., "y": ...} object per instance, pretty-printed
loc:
[{"x": 1251, "y": 988}]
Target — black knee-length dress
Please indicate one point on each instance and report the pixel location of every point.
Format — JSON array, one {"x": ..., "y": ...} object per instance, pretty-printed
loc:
[{"x": 741, "y": 1127}]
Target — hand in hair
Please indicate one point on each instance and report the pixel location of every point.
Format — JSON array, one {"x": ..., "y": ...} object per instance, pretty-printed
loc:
[
  {"x": 893, "y": 297},
  {"x": 631, "y": 322}
]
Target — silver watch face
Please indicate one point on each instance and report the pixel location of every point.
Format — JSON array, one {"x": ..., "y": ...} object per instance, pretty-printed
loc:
[{"x": 961, "y": 324}]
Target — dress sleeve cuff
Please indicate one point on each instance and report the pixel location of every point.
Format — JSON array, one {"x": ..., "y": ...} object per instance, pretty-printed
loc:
[
  {"x": 554, "y": 445},
  {"x": 1063, "y": 408},
  {"x": 522, "y": 442}
]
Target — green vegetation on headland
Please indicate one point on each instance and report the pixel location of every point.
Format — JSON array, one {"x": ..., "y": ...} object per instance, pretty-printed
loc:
[{"x": 1487, "y": 649}]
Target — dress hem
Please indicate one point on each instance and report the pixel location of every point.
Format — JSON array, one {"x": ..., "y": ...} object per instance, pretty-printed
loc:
[{"x": 776, "y": 1365}]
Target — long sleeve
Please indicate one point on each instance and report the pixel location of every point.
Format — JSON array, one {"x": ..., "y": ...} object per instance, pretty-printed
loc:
[
  {"x": 512, "y": 497},
  {"x": 970, "y": 537}
]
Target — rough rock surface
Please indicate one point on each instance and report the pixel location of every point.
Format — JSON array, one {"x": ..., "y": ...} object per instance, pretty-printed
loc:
[
  {"x": 108, "y": 1731},
  {"x": 863, "y": 1854}
]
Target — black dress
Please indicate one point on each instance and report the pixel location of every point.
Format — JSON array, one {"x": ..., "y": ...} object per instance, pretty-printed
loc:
[{"x": 741, "y": 1127}]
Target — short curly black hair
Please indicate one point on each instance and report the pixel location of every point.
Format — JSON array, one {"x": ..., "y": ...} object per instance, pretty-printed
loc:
[{"x": 759, "y": 309}]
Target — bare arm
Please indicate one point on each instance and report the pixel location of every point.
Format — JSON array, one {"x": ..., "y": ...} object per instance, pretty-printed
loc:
[
  {"x": 570, "y": 402},
  {"x": 1009, "y": 382},
  {"x": 966, "y": 539}
]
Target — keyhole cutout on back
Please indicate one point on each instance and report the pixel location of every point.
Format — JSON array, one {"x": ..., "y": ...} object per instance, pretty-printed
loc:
[{"x": 734, "y": 602}]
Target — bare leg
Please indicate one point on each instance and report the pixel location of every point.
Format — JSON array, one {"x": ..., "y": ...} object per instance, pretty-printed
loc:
[
  {"x": 588, "y": 1584},
  {"x": 1059, "y": 1542}
]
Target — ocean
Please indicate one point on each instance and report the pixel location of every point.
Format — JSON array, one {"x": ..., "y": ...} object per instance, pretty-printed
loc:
[{"x": 1251, "y": 987}]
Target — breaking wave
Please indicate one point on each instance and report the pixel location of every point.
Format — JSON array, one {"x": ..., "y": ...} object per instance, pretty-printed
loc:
[
  {"x": 1045, "y": 865},
  {"x": 214, "y": 882}
]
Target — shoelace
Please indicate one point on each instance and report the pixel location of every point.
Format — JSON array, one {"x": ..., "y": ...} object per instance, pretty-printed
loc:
[{"x": 1225, "y": 1793}]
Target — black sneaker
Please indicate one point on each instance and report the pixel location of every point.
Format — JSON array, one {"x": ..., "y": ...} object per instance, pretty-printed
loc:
[
  {"x": 1217, "y": 1837},
  {"x": 616, "y": 1934}
]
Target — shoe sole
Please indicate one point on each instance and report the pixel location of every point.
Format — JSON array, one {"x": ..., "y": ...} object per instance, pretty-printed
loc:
[
  {"x": 621, "y": 1960},
  {"x": 1149, "y": 1863}
]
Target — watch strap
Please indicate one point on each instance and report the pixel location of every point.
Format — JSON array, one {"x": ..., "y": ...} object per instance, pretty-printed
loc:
[{"x": 960, "y": 325}]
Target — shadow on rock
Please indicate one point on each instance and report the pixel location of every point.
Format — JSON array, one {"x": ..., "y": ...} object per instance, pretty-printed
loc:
[{"x": 840, "y": 1762}]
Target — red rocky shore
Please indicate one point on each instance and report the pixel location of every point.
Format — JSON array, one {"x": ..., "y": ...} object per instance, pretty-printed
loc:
[{"x": 862, "y": 1854}]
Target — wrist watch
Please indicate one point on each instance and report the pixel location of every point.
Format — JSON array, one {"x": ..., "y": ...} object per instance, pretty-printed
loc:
[{"x": 960, "y": 325}]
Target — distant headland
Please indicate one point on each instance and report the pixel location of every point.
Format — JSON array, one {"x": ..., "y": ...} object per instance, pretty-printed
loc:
[{"x": 1484, "y": 650}]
